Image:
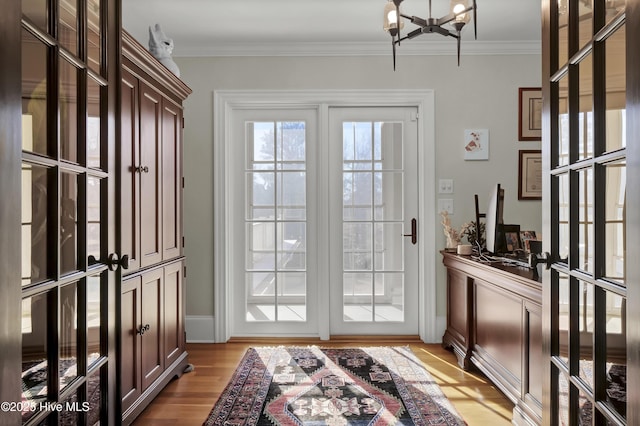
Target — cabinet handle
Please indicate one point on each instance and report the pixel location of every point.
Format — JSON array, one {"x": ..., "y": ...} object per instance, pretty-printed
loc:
[
  {"x": 143, "y": 329},
  {"x": 142, "y": 169}
]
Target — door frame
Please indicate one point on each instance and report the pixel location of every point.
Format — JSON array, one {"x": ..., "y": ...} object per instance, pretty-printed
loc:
[
  {"x": 10, "y": 217},
  {"x": 226, "y": 101}
]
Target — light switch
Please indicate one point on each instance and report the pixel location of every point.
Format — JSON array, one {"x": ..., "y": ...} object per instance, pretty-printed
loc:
[
  {"x": 445, "y": 186},
  {"x": 445, "y": 204}
]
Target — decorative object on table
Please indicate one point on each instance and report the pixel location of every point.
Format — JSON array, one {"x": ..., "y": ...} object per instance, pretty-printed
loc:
[
  {"x": 476, "y": 144},
  {"x": 335, "y": 386},
  {"x": 465, "y": 249},
  {"x": 475, "y": 237},
  {"x": 161, "y": 48},
  {"x": 459, "y": 15},
  {"x": 530, "y": 114},
  {"x": 529, "y": 175},
  {"x": 453, "y": 235},
  {"x": 525, "y": 237}
]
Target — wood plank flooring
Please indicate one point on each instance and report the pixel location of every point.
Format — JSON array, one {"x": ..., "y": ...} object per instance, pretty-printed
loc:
[{"x": 188, "y": 400}]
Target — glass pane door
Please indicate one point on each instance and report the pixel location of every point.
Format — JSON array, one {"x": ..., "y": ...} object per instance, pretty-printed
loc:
[
  {"x": 374, "y": 204},
  {"x": 586, "y": 287},
  {"x": 65, "y": 214},
  {"x": 273, "y": 225}
]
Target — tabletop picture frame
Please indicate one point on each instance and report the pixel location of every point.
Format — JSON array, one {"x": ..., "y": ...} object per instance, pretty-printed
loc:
[
  {"x": 530, "y": 114},
  {"x": 529, "y": 174}
]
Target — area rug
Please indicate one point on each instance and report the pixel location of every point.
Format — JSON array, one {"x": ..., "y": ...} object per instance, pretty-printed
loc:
[{"x": 332, "y": 386}]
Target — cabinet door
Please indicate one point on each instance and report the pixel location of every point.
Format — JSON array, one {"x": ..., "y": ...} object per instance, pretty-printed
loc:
[
  {"x": 130, "y": 181},
  {"x": 130, "y": 373},
  {"x": 150, "y": 171},
  {"x": 173, "y": 312},
  {"x": 171, "y": 180},
  {"x": 150, "y": 327}
]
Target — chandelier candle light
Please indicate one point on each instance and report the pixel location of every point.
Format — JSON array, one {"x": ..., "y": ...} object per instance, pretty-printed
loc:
[{"x": 458, "y": 16}]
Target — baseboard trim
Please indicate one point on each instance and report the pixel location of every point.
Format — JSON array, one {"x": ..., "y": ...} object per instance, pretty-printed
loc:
[
  {"x": 200, "y": 328},
  {"x": 441, "y": 326}
]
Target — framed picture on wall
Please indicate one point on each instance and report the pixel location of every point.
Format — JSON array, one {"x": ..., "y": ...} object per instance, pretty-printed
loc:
[
  {"x": 530, "y": 114},
  {"x": 530, "y": 175},
  {"x": 476, "y": 144}
]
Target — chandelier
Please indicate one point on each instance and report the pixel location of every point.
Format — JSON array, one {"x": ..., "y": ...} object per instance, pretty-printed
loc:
[{"x": 459, "y": 15}]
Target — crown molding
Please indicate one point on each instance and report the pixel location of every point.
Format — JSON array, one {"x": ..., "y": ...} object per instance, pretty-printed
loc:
[{"x": 410, "y": 47}]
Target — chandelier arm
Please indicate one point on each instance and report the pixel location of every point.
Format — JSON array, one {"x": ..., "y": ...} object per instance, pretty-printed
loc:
[
  {"x": 475, "y": 20},
  {"x": 413, "y": 34},
  {"x": 437, "y": 29},
  {"x": 416, "y": 20}
]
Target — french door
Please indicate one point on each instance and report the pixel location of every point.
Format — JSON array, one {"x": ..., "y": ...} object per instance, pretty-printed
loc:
[
  {"x": 373, "y": 221},
  {"x": 291, "y": 278},
  {"x": 68, "y": 213},
  {"x": 590, "y": 84},
  {"x": 274, "y": 214}
]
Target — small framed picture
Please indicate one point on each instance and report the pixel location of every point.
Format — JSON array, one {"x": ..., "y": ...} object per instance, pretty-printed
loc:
[
  {"x": 530, "y": 114},
  {"x": 512, "y": 238},
  {"x": 476, "y": 144},
  {"x": 526, "y": 237},
  {"x": 530, "y": 175}
]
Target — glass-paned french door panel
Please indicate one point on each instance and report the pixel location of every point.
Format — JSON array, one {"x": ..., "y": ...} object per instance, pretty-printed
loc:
[
  {"x": 374, "y": 168},
  {"x": 373, "y": 221},
  {"x": 276, "y": 181},
  {"x": 67, "y": 213},
  {"x": 274, "y": 225},
  {"x": 586, "y": 233}
]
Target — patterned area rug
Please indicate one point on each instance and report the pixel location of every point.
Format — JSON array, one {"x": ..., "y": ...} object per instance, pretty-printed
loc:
[{"x": 337, "y": 386}]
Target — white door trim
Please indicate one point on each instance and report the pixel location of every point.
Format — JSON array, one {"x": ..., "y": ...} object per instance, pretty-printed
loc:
[{"x": 225, "y": 101}]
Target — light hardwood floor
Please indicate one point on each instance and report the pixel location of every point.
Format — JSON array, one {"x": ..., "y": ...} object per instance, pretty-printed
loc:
[{"x": 188, "y": 400}]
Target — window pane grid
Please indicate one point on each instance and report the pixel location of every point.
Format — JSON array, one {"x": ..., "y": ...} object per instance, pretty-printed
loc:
[
  {"x": 588, "y": 201},
  {"x": 373, "y": 221},
  {"x": 275, "y": 221}
]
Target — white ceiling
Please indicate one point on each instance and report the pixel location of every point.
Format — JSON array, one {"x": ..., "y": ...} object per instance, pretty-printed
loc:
[{"x": 323, "y": 27}]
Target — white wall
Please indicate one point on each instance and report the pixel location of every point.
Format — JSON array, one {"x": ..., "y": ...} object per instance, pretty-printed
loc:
[{"x": 481, "y": 93}]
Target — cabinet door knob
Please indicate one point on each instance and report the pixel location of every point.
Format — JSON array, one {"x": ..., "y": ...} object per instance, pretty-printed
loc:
[
  {"x": 142, "y": 169},
  {"x": 143, "y": 329}
]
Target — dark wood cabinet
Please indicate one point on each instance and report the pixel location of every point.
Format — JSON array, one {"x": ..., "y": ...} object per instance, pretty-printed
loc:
[
  {"x": 152, "y": 337},
  {"x": 152, "y": 332},
  {"x": 494, "y": 323}
]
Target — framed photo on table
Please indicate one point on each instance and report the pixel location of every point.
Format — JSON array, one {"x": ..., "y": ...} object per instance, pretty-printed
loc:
[
  {"x": 530, "y": 175},
  {"x": 512, "y": 238},
  {"x": 530, "y": 114}
]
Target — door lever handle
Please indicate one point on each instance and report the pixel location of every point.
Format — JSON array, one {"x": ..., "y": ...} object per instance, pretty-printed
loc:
[
  {"x": 537, "y": 258},
  {"x": 414, "y": 231},
  {"x": 112, "y": 262}
]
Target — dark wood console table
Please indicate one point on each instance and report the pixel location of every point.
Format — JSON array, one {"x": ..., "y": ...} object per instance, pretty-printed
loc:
[{"x": 494, "y": 323}]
